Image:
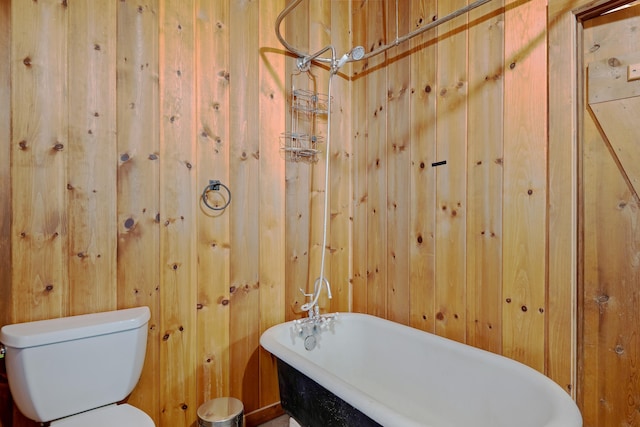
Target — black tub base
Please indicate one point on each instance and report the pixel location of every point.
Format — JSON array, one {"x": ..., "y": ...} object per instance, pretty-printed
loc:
[{"x": 312, "y": 405}]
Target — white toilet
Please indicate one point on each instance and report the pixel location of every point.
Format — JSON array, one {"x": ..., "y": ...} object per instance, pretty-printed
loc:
[{"x": 72, "y": 371}]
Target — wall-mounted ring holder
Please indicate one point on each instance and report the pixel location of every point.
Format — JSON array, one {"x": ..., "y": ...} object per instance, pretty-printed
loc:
[{"x": 214, "y": 185}]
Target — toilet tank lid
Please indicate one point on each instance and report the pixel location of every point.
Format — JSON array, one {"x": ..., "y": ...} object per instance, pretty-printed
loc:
[{"x": 42, "y": 332}]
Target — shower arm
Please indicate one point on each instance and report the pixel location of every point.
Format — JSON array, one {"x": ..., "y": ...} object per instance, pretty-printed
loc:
[
  {"x": 304, "y": 61},
  {"x": 306, "y": 58}
]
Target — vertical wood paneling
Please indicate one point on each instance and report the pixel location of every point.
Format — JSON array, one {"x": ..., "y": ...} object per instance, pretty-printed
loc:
[
  {"x": 359, "y": 251},
  {"x": 319, "y": 37},
  {"x": 562, "y": 197},
  {"x": 525, "y": 190},
  {"x": 5, "y": 166},
  {"x": 272, "y": 195},
  {"x": 213, "y": 100},
  {"x": 609, "y": 360},
  {"x": 92, "y": 151},
  {"x": 297, "y": 175},
  {"x": 244, "y": 183},
  {"x": 138, "y": 171},
  {"x": 376, "y": 106},
  {"x": 39, "y": 144},
  {"x": 178, "y": 197},
  {"x": 423, "y": 154},
  {"x": 6, "y": 291},
  {"x": 226, "y": 124},
  {"x": 398, "y": 135},
  {"x": 593, "y": 156},
  {"x": 565, "y": 148},
  {"x": 451, "y": 145},
  {"x": 609, "y": 384},
  {"x": 484, "y": 177},
  {"x": 341, "y": 158}
]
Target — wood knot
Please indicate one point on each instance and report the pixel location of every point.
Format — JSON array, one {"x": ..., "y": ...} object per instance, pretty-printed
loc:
[{"x": 614, "y": 62}]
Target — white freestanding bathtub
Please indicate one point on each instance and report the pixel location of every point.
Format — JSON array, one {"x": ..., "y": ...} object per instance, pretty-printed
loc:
[{"x": 362, "y": 370}]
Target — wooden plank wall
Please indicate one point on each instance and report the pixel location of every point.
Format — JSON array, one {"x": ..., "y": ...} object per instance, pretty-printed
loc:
[
  {"x": 105, "y": 188},
  {"x": 117, "y": 115},
  {"x": 5, "y": 166},
  {"x": 212, "y": 131},
  {"x": 6, "y": 410},
  {"x": 609, "y": 387},
  {"x": 138, "y": 190},
  {"x": 475, "y": 236}
]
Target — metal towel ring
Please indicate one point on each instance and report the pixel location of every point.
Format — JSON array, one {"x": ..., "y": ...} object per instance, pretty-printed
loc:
[{"x": 214, "y": 185}]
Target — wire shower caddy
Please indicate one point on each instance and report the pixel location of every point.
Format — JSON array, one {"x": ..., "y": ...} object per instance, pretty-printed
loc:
[{"x": 308, "y": 109}]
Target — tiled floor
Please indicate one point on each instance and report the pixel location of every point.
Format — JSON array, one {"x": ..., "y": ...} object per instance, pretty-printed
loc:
[{"x": 282, "y": 421}]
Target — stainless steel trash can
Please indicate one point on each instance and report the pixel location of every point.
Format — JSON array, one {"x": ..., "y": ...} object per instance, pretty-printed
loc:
[{"x": 221, "y": 412}]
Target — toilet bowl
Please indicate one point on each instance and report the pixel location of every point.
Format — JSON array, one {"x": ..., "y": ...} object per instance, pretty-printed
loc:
[{"x": 73, "y": 371}]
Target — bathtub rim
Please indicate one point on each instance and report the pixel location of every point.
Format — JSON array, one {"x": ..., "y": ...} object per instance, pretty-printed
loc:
[
  {"x": 358, "y": 398},
  {"x": 565, "y": 411}
]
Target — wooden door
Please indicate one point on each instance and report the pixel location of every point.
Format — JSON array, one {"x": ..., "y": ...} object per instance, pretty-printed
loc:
[{"x": 609, "y": 392}]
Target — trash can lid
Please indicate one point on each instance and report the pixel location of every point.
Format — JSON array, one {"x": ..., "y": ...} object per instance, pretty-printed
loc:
[{"x": 220, "y": 409}]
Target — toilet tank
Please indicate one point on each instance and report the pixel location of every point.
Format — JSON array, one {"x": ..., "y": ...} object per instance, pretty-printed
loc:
[{"x": 64, "y": 366}]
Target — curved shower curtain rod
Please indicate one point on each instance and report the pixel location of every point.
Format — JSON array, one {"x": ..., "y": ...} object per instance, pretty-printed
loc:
[{"x": 305, "y": 58}]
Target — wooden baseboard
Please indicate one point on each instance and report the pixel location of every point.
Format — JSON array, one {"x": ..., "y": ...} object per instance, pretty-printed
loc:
[{"x": 262, "y": 415}]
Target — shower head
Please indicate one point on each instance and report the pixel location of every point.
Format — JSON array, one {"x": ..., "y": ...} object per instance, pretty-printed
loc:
[
  {"x": 354, "y": 54},
  {"x": 357, "y": 53}
]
